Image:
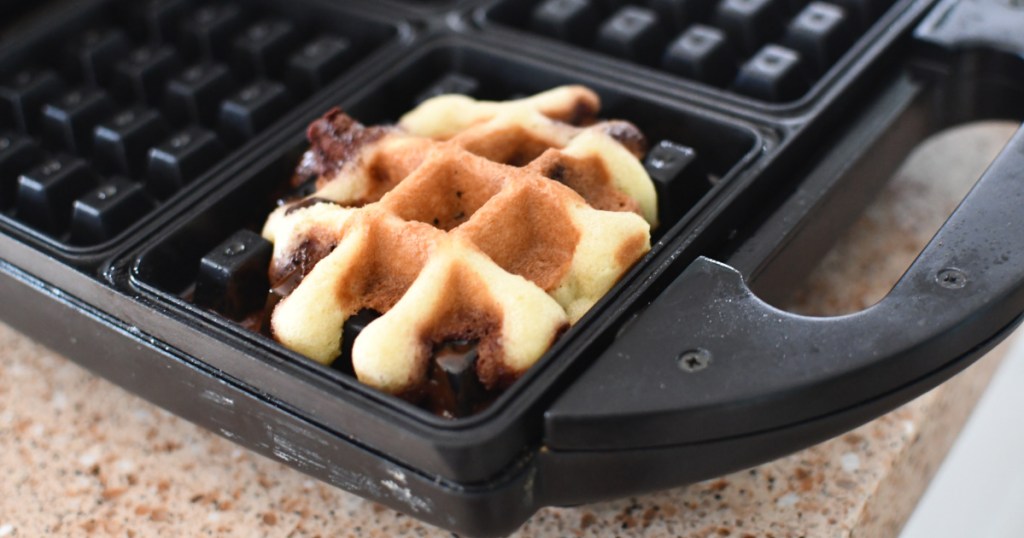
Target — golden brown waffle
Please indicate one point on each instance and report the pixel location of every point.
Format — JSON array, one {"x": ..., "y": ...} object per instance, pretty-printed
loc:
[{"x": 497, "y": 223}]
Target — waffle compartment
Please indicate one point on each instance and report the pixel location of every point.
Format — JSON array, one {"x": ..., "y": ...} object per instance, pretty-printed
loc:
[
  {"x": 122, "y": 107},
  {"x": 193, "y": 258},
  {"x": 763, "y": 51}
]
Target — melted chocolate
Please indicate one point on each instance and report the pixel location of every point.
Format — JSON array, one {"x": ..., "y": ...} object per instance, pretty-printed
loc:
[
  {"x": 629, "y": 136},
  {"x": 285, "y": 278},
  {"x": 335, "y": 139}
]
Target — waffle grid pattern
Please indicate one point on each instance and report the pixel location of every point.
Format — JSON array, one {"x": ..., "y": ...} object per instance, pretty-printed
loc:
[
  {"x": 769, "y": 50},
  {"x": 475, "y": 235},
  {"x": 98, "y": 131}
]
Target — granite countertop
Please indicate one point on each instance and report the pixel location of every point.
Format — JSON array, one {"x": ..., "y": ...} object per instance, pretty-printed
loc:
[{"x": 81, "y": 457}]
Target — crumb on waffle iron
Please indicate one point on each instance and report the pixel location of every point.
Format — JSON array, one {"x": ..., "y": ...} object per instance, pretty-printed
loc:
[{"x": 499, "y": 223}]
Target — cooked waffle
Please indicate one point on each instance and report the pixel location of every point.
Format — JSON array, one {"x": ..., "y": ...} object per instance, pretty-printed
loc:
[{"x": 452, "y": 226}]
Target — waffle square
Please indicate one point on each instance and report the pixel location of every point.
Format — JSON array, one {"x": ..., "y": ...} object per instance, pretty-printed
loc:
[{"x": 499, "y": 223}]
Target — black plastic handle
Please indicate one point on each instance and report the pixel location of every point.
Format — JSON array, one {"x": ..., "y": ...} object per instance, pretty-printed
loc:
[{"x": 709, "y": 360}]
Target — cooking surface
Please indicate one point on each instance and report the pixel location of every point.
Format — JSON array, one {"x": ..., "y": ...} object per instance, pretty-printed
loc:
[
  {"x": 768, "y": 50},
  {"x": 80, "y": 456},
  {"x": 133, "y": 112}
]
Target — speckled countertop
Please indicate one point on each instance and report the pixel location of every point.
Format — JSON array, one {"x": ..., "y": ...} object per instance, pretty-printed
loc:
[{"x": 81, "y": 457}]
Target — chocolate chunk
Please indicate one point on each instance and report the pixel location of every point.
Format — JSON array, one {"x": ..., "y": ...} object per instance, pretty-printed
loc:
[{"x": 335, "y": 139}]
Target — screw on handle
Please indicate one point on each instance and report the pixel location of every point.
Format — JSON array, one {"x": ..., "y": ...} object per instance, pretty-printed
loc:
[{"x": 694, "y": 360}]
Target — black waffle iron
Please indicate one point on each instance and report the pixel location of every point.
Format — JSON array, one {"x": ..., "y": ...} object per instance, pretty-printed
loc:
[{"x": 139, "y": 139}]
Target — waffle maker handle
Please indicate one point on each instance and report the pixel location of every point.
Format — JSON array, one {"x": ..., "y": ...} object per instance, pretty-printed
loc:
[{"x": 709, "y": 361}]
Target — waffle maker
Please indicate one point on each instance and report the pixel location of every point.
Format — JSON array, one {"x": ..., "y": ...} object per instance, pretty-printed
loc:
[{"x": 139, "y": 138}]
